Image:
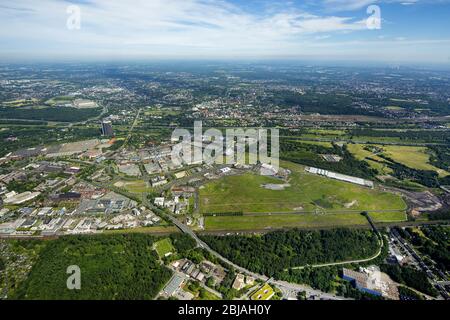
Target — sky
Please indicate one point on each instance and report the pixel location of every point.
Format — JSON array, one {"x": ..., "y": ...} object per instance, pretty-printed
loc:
[{"x": 404, "y": 31}]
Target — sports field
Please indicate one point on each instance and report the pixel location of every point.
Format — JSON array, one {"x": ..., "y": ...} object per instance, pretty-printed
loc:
[{"x": 304, "y": 192}]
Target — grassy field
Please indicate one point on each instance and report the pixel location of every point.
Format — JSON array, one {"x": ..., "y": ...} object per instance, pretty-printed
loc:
[
  {"x": 304, "y": 220},
  {"x": 278, "y": 221},
  {"x": 265, "y": 293},
  {"x": 147, "y": 230},
  {"x": 394, "y": 108},
  {"x": 317, "y": 143},
  {"x": 305, "y": 193},
  {"x": 164, "y": 247},
  {"x": 413, "y": 157}
]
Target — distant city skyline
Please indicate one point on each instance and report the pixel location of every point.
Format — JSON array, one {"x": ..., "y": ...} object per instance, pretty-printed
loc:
[{"x": 412, "y": 31}]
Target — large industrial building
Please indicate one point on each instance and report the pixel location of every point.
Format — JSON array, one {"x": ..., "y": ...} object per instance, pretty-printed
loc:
[{"x": 341, "y": 177}]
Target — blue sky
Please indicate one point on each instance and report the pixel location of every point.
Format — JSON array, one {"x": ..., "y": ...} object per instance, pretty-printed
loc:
[{"x": 411, "y": 30}]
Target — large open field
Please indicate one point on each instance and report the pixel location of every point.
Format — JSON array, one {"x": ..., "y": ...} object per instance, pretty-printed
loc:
[{"x": 305, "y": 193}]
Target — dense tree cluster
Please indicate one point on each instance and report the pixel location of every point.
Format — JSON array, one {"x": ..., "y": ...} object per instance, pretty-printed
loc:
[{"x": 182, "y": 242}]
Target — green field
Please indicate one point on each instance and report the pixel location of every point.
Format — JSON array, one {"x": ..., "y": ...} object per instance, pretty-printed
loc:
[
  {"x": 306, "y": 193},
  {"x": 413, "y": 157},
  {"x": 164, "y": 247},
  {"x": 263, "y": 294}
]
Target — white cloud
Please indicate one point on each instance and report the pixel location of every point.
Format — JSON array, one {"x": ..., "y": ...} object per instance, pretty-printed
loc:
[{"x": 156, "y": 24}]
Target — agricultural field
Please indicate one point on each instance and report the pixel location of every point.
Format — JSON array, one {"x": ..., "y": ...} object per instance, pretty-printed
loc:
[{"x": 303, "y": 192}]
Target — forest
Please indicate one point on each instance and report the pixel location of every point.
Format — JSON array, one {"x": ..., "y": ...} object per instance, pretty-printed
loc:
[
  {"x": 113, "y": 267},
  {"x": 50, "y": 114},
  {"x": 272, "y": 253}
]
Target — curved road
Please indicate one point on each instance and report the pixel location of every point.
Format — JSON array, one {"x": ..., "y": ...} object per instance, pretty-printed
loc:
[{"x": 343, "y": 262}]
